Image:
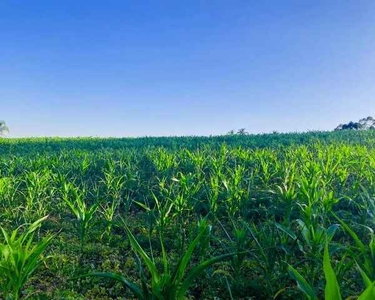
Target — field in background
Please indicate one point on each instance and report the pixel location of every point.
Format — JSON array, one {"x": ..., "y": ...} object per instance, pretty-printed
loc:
[{"x": 275, "y": 210}]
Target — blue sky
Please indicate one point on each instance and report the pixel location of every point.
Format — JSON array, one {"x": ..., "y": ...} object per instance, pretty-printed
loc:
[{"x": 136, "y": 68}]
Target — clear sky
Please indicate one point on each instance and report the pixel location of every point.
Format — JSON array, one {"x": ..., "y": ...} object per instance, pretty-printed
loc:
[{"x": 136, "y": 68}]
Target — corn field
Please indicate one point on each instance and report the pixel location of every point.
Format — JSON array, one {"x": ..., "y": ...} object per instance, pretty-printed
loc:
[{"x": 277, "y": 216}]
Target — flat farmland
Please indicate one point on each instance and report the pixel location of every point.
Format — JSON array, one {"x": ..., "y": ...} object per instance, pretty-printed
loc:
[{"x": 273, "y": 216}]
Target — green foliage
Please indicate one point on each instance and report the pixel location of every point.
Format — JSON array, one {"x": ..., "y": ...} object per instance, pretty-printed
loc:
[
  {"x": 84, "y": 214},
  {"x": 277, "y": 202},
  {"x": 169, "y": 283},
  {"x": 332, "y": 287},
  {"x": 20, "y": 256},
  {"x": 302, "y": 284}
]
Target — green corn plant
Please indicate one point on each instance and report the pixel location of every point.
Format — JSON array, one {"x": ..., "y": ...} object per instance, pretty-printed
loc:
[
  {"x": 312, "y": 241},
  {"x": 84, "y": 164},
  {"x": 237, "y": 190},
  {"x": 168, "y": 283},
  {"x": 160, "y": 213},
  {"x": 161, "y": 210},
  {"x": 286, "y": 193},
  {"x": 83, "y": 212},
  {"x": 264, "y": 239},
  {"x": 311, "y": 192},
  {"x": 20, "y": 256},
  {"x": 108, "y": 210},
  {"x": 218, "y": 160},
  {"x": 213, "y": 192},
  {"x": 240, "y": 247},
  {"x": 266, "y": 159},
  {"x": 197, "y": 160},
  {"x": 187, "y": 189},
  {"x": 204, "y": 243},
  {"x": 8, "y": 191},
  {"x": 163, "y": 160},
  {"x": 9, "y": 201},
  {"x": 38, "y": 191},
  {"x": 184, "y": 192},
  {"x": 332, "y": 287},
  {"x": 114, "y": 185},
  {"x": 363, "y": 254}
]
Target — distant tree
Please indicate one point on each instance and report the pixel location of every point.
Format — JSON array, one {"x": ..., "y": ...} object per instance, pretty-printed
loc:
[
  {"x": 362, "y": 124},
  {"x": 242, "y": 131},
  {"x": 3, "y": 128}
]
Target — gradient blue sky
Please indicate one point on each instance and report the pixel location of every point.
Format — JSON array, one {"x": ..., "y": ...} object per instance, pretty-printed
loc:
[{"x": 135, "y": 68}]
